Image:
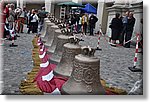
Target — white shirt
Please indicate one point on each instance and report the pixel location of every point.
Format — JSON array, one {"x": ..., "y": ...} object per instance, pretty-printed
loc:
[
  {"x": 22, "y": 13},
  {"x": 35, "y": 18},
  {"x": 80, "y": 21}
]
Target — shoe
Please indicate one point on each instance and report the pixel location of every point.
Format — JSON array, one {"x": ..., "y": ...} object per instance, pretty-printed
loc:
[
  {"x": 113, "y": 45},
  {"x": 13, "y": 45},
  {"x": 17, "y": 36},
  {"x": 126, "y": 46}
]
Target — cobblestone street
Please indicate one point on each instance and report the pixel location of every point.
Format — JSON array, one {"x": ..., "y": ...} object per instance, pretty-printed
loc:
[{"x": 114, "y": 63}]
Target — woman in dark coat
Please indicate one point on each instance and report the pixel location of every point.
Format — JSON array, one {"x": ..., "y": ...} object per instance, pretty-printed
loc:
[{"x": 116, "y": 26}]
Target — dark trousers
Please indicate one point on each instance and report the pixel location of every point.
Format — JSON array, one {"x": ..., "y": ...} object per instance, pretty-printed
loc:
[
  {"x": 85, "y": 27},
  {"x": 91, "y": 30},
  {"x": 127, "y": 38},
  {"x": 41, "y": 25},
  {"x": 121, "y": 38},
  {"x": 30, "y": 26},
  {"x": 79, "y": 27},
  {"x": 33, "y": 26}
]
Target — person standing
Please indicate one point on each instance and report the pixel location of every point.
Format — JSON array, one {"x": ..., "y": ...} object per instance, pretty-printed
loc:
[
  {"x": 85, "y": 22},
  {"x": 129, "y": 29},
  {"x": 124, "y": 21},
  {"x": 11, "y": 18},
  {"x": 33, "y": 20},
  {"x": 21, "y": 19},
  {"x": 6, "y": 14},
  {"x": 42, "y": 14},
  {"x": 30, "y": 17},
  {"x": 116, "y": 27},
  {"x": 92, "y": 21},
  {"x": 79, "y": 24},
  {"x": 73, "y": 22},
  {"x": 37, "y": 21}
]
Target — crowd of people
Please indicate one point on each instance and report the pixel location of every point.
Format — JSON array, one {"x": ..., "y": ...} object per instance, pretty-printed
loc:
[
  {"x": 14, "y": 19},
  {"x": 82, "y": 22},
  {"x": 122, "y": 28}
]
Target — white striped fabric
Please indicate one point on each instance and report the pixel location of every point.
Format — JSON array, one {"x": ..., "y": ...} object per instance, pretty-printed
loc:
[
  {"x": 48, "y": 77},
  {"x": 44, "y": 64},
  {"x": 56, "y": 92},
  {"x": 42, "y": 49},
  {"x": 42, "y": 56},
  {"x": 39, "y": 43}
]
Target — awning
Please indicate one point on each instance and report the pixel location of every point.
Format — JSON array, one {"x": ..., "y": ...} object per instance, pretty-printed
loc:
[
  {"x": 89, "y": 9},
  {"x": 71, "y": 4}
]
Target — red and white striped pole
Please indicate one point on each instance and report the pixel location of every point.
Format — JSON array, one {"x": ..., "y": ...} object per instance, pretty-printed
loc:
[
  {"x": 98, "y": 42},
  {"x": 99, "y": 37},
  {"x": 81, "y": 37},
  {"x": 134, "y": 69}
]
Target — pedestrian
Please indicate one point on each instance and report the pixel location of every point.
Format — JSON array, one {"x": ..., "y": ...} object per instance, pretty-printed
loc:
[
  {"x": 33, "y": 22},
  {"x": 129, "y": 29},
  {"x": 28, "y": 17},
  {"x": 11, "y": 18},
  {"x": 116, "y": 27},
  {"x": 73, "y": 22},
  {"x": 85, "y": 22},
  {"x": 79, "y": 24},
  {"x": 30, "y": 25},
  {"x": 37, "y": 21},
  {"x": 124, "y": 21},
  {"x": 5, "y": 17},
  {"x": 21, "y": 19},
  {"x": 6, "y": 14},
  {"x": 92, "y": 21},
  {"x": 42, "y": 14}
]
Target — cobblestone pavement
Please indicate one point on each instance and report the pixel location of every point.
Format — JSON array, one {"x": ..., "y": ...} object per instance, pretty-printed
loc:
[
  {"x": 114, "y": 63},
  {"x": 17, "y": 62}
]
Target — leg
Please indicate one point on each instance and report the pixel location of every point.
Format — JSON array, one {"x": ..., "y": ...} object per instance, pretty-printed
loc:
[
  {"x": 121, "y": 38},
  {"x": 22, "y": 24},
  {"x": 85, "y": 27},
  {"x": 127, "y": 38},
  {"x": 19, "y": 24},
  {"x": 92, "y": 29}
]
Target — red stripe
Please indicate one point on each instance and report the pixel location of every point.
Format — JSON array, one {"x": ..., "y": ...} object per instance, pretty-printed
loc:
[
  {"x": 136, "y": 51},
  {"x": 135, "y": 59}
]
